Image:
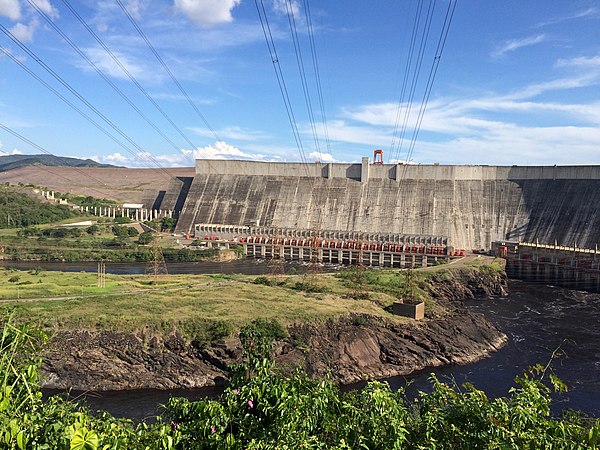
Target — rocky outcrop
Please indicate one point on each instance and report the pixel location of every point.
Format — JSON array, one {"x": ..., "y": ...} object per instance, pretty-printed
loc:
[
  {"x": 358, "y": 348},
  {"x": 349, "y": 349},
  {"x": 107, "y": 360}
]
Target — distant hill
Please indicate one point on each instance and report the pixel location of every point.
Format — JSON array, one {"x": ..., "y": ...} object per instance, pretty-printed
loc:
[{"x": 9, "y": 162}]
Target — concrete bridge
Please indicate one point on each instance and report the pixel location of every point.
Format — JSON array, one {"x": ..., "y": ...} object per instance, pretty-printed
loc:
[{"x": 571, "y": 267}]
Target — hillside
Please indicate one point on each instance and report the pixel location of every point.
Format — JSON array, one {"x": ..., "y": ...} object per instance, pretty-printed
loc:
[
  {"x": 122, "y": 184},
  {"x": 18, "y": 209},
  {"x": 9, "y": 162}
]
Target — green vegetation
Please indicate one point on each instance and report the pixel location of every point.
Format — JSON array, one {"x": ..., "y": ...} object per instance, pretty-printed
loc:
[
  {"x": 102, "y": 241},
  {"x": 18, "y": 209},
  {"x": 264, "y": 409},
  {"x": 203, "y": 307},
  {"x": 199, "y": 306}
]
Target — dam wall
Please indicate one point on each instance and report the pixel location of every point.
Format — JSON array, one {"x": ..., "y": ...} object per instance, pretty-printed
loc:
[{"x": 471, "y": 205}]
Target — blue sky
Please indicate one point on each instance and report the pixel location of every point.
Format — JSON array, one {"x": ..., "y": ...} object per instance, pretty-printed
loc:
[{"x": 517, "y": 82}]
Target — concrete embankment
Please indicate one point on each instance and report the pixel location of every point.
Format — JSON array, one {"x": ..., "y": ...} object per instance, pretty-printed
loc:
[
  {"x": 352, "y": 348},
  {"x": 471, "y": 205}
]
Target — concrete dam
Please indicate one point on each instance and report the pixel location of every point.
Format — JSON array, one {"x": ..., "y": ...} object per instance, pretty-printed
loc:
[{"x": 471, "y": 206}]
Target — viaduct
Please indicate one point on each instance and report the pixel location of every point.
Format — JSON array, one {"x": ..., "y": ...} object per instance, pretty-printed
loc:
[{"x": 470, "y": 206}]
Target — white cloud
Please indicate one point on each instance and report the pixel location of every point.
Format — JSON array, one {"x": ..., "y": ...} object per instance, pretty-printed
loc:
[
  {"x": 24, "y": 33},
  {"x": 207, "y": 12},
  {"x": 221, "y": 150},
  {"x": 516, "y": 44},
  {"x": 283, "y": 6},
  {"x": 590, "y": 12},
  {"x": 108, "y": 65},
  {"x": 46, "y": 7},
  {"x": 320, "y": 156},
  {"x": 10, "y": 9},
  {"x": 580, "y": 61},
  {"x": 14, "y": 151},
  {"x": 115, "y": 158}
]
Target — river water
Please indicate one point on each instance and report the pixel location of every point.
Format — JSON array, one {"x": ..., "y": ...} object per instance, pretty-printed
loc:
[{"x": 540, "y": 321}]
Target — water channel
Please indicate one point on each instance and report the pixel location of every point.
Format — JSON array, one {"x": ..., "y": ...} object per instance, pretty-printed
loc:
[{"x": 539, "y": 319}]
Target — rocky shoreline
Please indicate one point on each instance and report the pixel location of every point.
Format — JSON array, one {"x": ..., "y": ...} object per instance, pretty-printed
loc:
[{"x": 349, "y": 349}]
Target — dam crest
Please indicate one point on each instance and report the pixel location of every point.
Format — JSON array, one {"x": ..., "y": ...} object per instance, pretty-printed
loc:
[{"x": 471, "y": 206}]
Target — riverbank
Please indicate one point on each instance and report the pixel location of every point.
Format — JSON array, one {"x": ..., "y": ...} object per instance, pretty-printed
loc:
[{"x": 359, "y": 340}]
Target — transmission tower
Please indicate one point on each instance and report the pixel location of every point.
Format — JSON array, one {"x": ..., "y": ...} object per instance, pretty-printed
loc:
[
  {"x": 409, "y": 285},
  {"x": 101, "y": 274},
  {"x": 276, "y": 263},
  {"x": 156, "y": 266}
]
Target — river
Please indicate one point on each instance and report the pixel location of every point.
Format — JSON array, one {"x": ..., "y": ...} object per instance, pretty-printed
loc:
[{"x": 540, "y": 320}]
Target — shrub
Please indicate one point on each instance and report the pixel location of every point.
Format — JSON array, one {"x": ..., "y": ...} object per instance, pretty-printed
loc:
[{"x": 145, "y": 238}]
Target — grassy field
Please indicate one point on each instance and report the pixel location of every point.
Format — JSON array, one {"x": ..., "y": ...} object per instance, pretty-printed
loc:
[{"x": 193, "y": 304}]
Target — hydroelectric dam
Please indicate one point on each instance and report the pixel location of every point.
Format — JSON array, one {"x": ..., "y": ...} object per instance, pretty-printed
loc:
[{"x": 467, "y": 206}]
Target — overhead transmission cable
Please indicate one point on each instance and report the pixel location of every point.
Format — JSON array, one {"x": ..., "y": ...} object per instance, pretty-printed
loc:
[
  {"x": 44, "y": 168},
  {"x": 102, "y": 75},
  {"x": 416, "y": 72},
  {"x": 264, "y": 21},
  {"x": 169, "y": 72},
  {"x": 432, "y": 73},
  {"x": 313, "y": 49},
  {"x": 407, "y": 67},
  {"x": 78, "y": 95},
  {"x": 67, "y": 101},
  {"x": 302, "y": 71},
  {"x": 128, "y": 74}
]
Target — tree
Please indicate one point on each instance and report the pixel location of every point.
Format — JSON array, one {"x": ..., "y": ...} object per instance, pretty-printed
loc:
[
  {"x": 145, "y": 238},
  {"x": 167, "y": 223}
]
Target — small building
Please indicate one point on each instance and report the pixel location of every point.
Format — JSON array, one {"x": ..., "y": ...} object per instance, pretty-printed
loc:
[{"x": 501, "y": 249}]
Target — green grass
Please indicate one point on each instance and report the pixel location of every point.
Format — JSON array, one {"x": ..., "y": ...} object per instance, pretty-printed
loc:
[
  {"x": 173, "y": 302},
  {"x": 201, "y": 306}
]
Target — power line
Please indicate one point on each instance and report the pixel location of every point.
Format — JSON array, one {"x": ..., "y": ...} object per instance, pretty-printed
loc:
[
  {"x": 128, "y": 74},
  {"x": 162, "y": 62},
  {"x": 78, "y": 95},
  {"x": 317, "y": 75},
  {"x": 101, "y": 74},
  {"x": 432, "y": 73},
  {"x": 417, "y": 70},
  {"x": 264, "y": 21},
  {"x": 302, "y": 71},
  {"x": 42, "y": 149},
  {"x": 407, "y": 68},
  {"x": 66, "y": 101}
]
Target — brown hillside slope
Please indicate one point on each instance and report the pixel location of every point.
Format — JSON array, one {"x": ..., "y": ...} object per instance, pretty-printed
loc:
[{"x": 120, "y": 184}]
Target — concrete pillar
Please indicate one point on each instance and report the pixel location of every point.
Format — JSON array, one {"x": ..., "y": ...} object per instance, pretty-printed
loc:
[
  {"x": 301, "y": 254},
  {"x": 364, "y": 171},
  {"x": 424, "y": 260}
]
